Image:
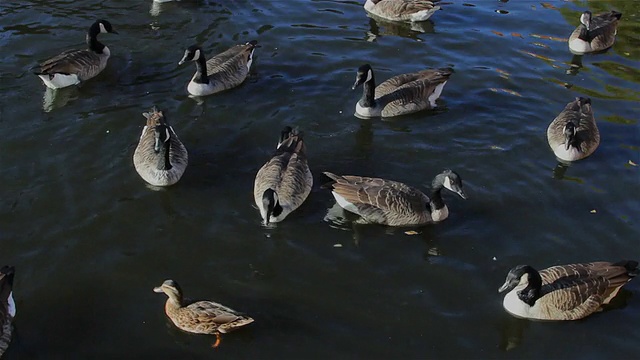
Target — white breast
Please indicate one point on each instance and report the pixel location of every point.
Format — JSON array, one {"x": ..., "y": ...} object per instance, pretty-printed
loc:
[
  {"x": 440, "y": 214},
  {"x": 367, "y": 112},
  {"x": 59, "y": 81},
  {"x": 515, "y": 306},
  {"x": 579, "y": 46},
  {"x": 198, "y": 89},
  {"x": 567, "y": 155}
]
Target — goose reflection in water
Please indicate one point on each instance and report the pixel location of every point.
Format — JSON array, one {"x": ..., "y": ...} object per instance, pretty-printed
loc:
[
  {"x": 57, "y": 98},
  {"x": 575, "y": 65},
  {"x": 379, "y": 27}
]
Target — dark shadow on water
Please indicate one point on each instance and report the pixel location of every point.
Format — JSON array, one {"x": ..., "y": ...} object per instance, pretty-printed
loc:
[
  {"x": 512, "y": 332},
  {"x": 560, "y": 170},
  {"x": 576, "y": 65}
]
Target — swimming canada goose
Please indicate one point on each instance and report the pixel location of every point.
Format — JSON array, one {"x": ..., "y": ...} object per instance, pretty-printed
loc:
[
  {"x": 285, "y": 181},
  {"x": 199, "y": 317},
  {"x": 400, "y": 95},
  {"x": 573, "y": 134},
  {"x": 387, "y": 202},
  {"x": 596, "y": 33},
  {"x": 564, "y": 292},
  {"x": 73, "y": 66},
  {"x": 223, "y": 71},
  {"x": 7, "y": 307},
  {"x": 401, "y": 10},
  {"x": 160, "y": 157}
]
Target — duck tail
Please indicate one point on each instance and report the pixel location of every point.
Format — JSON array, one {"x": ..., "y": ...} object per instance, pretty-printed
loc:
[{"x": 630, "y": 265}]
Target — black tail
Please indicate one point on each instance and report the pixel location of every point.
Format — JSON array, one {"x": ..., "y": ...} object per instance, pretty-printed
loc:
[{"x": 630, "y": 265}]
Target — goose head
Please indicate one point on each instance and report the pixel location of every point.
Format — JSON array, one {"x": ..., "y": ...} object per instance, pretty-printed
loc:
[
  {"x": 569, "y": 132},
  {"x": 364, "y": 74},
  {"x": 102, "y": 26},
  {"x": 524, "y": 279},
  {"x": 193, "y": 53},
  {"x": 451, "y": 181},
  {"x": 171, "y": 289},
  {"x": 585, "y": 19},
  {"x": 157, "y": 122}
]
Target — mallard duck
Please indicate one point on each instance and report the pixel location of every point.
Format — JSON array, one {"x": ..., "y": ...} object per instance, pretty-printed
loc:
[
  {"x": 223, "y": 71},
  {"x": 160, "y": 157},
  {"x": 401, "y": 10},
  {"x": 392, "y": 203},
  {"x": 7, "y": 306},
  {"x": 284, "y": 182},
  {"x": 400, "y": 95},
  {"x": 564, "y": 292},
  {"x": 199, "y": 317},
  {"x": 596, "y": 33},
  {"x": 73, "y": 66},
  {"x": 573, "y": 134}
]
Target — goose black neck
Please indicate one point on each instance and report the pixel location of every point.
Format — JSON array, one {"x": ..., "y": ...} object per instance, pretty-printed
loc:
[
  {"x": 436, "y": 198},
  {"x": 201, "y": 71},
  {"x": 368, "y": 93},
  {"x": 93, "y": 43},
  {"x": 270, "y": 203},
  {"x": 163, "y": 160},
  {"x": 584, "y": 33},
  {"x": 531, "y": 293}
]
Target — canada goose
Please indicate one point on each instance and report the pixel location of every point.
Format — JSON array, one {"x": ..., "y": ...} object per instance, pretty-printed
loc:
[
  {"x": 573, "y": 134},
  {"x": 7, "y": 307},
  {"x": 402, "y": 94},
  {"x": 285, "y": 181},
  {"x": 160, "y": 157},
  {"x": 596, "y": 33},
  {"x": 402, "y": 10},
  {"x": 387, "y": 202},
  {"x": 223, "y": 71},
  {"x": 199, "y": 317},
  {"x": 564, "y": 292},
  {"x": 73, "y": 66}
]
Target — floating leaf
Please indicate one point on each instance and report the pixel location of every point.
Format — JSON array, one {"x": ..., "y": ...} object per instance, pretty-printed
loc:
[
  {"x": 547, "y": 37},
  {"x": 514, "y": 34},
  {"x": 541, "y": 57},
  {"x": 548, "y": 6},
  {"x": 632, "y": 163},
  {"x": 506, "y": 91},
  {"x": 497, "y": 33},
  {"x": 411, "y": 232},
  {"x": 337, "y": 245},
  {"x": 496, "y": 147},
  {"x": 593, "y": 211}
]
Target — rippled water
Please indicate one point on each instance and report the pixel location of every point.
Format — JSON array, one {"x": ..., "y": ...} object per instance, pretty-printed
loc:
[{"x": 90, "y": 240}]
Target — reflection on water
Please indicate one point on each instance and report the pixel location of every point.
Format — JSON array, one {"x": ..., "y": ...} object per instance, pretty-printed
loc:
[
  {"x": 57, "y": 98},
  {"x": 511, "y": 332},
  {"x": 380, "y": 27},
  {"x": 560, "y": 170},
  {"x": 575, "y": 66}
]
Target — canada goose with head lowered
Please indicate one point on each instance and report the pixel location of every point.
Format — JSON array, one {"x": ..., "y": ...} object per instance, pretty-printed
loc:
[
  {"x": 595, "y": 33},
  {"x": 7, "y": 306},
  {"x": 285, "y": 181},
  {"x": 199, "y": 317},
  {"x": 160, "y": 157},
  {"x": 74, "y": 66},
  {"x": 387, "y": 202},
  {"x": 564, "y": 292},
  {"x": 223, "y": 71},
  {"x": 400, "y": 95},
  {"x": 573, "y": 134},
  {"x": 402, "y": 10}
]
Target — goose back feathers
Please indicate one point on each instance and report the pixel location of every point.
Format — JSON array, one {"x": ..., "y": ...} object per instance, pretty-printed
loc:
[
  {"x": 595, "y": 33},
  {"x": 573, "y": 134},
  {"x": 199, "y": 317},
  {"x": 284, "y": 182},
  {"x": 224, "y": 71},
  {"x": 7, "y": 306},
  {"x": 74, "y": 66},
  {"x": 401, "y": 94},
  {"x": 401, "y": 10},
  {"x": 564, "y": 292},
  {"x": 393, "y": 203},
  {"x": 160, "y": 157}
]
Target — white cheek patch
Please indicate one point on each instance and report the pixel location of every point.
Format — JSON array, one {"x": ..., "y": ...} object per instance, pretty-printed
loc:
[
  {"x": 168, "y": 135},
  {"x": 12, "y": 305},
  {"x": 369, "y": 75},
  {"x": 196, "y": 55},
  {"x": 447, "y": 183},
  {"x": 102, "y": 28}
]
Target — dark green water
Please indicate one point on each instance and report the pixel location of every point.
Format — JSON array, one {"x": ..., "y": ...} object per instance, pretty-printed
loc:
[{"x": 89, "y": 240}]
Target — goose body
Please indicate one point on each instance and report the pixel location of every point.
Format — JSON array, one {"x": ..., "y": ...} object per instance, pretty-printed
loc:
[
  {"x": 223, "y": 71},
  {"x": 74, "y": 66},
  {"x": 401, "y": 94},
  {"x": 573, "y": 134},
  {"x": 160, "y": 157},
  {"x": 401, "y": 10},
  {"x": 564, "y": 292},
  {"x": 392, "y": 203},
  {"x": 595, "y": 33},
  {"x": 199, "y": 317},
  {"x": 284, "y": 182},
  {"x": 7, "y": 307}
]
